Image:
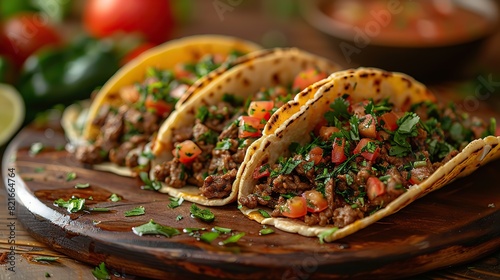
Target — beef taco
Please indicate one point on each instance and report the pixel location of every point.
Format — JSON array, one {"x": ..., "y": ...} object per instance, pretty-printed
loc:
[
  {"x": 369, "y": 143},
  {"x": 126, "y": 113},
  {"x": 199, "y": 149}
]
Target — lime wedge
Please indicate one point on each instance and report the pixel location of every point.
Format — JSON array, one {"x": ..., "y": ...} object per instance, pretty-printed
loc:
[{"x": 11, "y": 112}]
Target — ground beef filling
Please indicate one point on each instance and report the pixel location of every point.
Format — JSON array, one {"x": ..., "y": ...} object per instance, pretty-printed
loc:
[
  {"x": 124, "y": 133},
  {"x": 223, "y": 148},
  {"x": 436, "y": 136},
  {"x": 214, "y": 171}
]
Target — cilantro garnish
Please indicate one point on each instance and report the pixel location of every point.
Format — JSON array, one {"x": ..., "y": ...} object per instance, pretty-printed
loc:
[
  {"x": 153, "y": 228},
  {"x": 175, "y": 202},
  {"x": 407, "y": 127},
  {"x": 36, "y": 148},
  {"x": 149, "y": 184},
  {"x": 100, "y": 272},
  {"x": 232, "y": 239},
  {"x": 114, "y": 197},
  {"x": 326, "y": 233},
  {"x": 202, "y": 113},
  {"x": 70, "y": 176},
  {"x": 73, "y": 205},
  {"x": 225, "y": 144},
  {"x": 137, "y": 211},
  {"x": 202, "y": 214}
]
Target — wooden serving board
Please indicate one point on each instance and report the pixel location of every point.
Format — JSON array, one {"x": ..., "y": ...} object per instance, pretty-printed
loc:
[{"x": 451, "y": 226}]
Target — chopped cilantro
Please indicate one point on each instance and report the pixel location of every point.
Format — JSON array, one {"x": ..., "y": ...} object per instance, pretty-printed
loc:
[
  {"x": 175, "y": 202},
  {"x": 149, "y": 184},
  {"x": 70, "y": 176},
  {"x": 232, "y": 99},
  {"x": 100, "y": 272},
  {"x": 225, "y": 144},
  {"x": 340, "y": 108},
  {"x": 326, "y": 233},
  {"x": 202, "y": 214},
  {"x": 354, "y": 123},
  {"x": 264, "y": 213},
  {"x": 153, "y": 228},
  {"x": 82, "y": 185},
  {"x": 45, "y": 259},
  {"x": 114, "y": 197},
  {"x": 36, "y": 148},
  {"x": 202, "y": 113},
  {"x": 179, "y": 217},
  {"x": 208, "y": 237},
  {"x": 266, "y": 231},
  {"x": 73, "y": 205},
  {"x": 232, "y": 239},
  {"x": 137, "y": 211}
]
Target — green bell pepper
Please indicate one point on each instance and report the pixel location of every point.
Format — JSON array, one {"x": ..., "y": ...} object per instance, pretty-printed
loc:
[{"x": 63, "y": 76}]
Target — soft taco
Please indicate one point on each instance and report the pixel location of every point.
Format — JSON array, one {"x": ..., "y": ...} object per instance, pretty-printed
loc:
[
  {"x": 199, "y": 149},
  {"x": 369, "y": 143},
  {"x": 126, "y": 113}
]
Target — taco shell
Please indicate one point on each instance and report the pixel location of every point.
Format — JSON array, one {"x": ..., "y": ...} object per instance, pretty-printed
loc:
[
  {"x": 251, "y": 73},
  {"x": 165, "y": 56},
  {"x": 360, "y": 84}
]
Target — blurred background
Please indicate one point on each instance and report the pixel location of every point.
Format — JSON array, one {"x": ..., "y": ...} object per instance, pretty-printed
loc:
[{"x": 58, "y": 51}]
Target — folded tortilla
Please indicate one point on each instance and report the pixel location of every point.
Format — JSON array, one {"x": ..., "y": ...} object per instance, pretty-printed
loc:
[
  {"x": 260, "y": 69},
  {"x": 360, "y": 84},
  {"x": 165, "y": 56}
]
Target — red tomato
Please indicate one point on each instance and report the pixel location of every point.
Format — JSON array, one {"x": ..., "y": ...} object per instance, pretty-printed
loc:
[
  {"x": 250, "y": 127},
  {"x": 180, "y": 71},
  {"x": 257, "y": 174},
  {"x": 25, "y": 33},
  {"x": 371, "y": 156},
  {"x": 367, "y": 126},
  {"x": 325, "y": 132},
  {"x": 389, "y": 121},
  {"x": 338, "y": 154},
  {"x": 358, "y": 108},
  {"x": 136, "y": 52},
  {"x": 160, "y": 107},
  {"x": 152, "y": 19},
  {"x": 374, "y": 187},
  {"x": 260, "y": 109},
  {"x": 419, "y": 174},
  {"x": 186, "y": 151},
  {"x": 319, "y": 125},
  {"x": 307, "y": 78},
  {"x": 295, "y": 207},
  {"x": 316, "y": 155},
  {"x": 315, "y": 201}
]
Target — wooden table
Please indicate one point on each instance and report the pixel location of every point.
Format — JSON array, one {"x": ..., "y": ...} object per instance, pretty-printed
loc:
[{"x": 251, "y": 21}]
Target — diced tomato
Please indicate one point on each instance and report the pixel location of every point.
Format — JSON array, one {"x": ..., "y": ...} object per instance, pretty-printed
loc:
[
  {"x": 307, "y": 78},
  {"x": 319, "y": 125},
  {"x": 315, "y": 201},
  {"x": 180, "y": 71},
  {"x": 160, "y": 107},
  {"x": 261, "y": 173},
  {"x": 389, "y": 121},
  {"x": 338, "y": 155},
  {"x": 325, "y": 132},
  {"x": 367, "y": 126},
  {"x": 371, "y": 156},
  {"x": 374, "y": 187},
  {"x": 316, "y": 155},
  {"x": 250, "y": 127},
  {"x": 419, "y": 174},
  {"x": 129, "y": 94},
  {"x": 358, "y": 108},
  {"x": 179, "y": 91},
  {"x": 186, "y": 151},
  {"x": 260, "y": 109},
  {"x": 295, "y": 207}
]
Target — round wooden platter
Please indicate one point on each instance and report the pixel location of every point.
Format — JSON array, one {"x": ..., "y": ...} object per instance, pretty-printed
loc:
[{"x": 451, "y": 226}]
